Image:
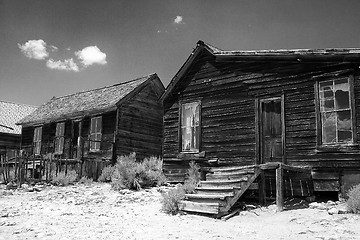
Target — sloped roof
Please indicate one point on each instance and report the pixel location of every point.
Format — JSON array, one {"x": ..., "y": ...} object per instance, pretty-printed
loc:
[
  {"x": 89, "y": 102},
  {"x": 10, "y": 114},
  {"x": 295, "y": 55}
]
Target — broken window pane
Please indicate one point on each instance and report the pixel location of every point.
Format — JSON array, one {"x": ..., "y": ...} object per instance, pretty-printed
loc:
[
  {"x": 329, "y": 127},
  {"x": 335, "y": 110}
]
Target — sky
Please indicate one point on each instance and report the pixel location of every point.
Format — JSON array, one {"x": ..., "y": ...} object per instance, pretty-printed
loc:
[{"x": 58, "y": 47}]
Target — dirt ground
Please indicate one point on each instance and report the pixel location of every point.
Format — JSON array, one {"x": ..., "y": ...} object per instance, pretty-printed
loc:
[{"x": 97, "y": 212}]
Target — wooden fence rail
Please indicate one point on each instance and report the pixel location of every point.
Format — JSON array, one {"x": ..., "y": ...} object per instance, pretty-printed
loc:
[{"x": 45, "y": 167}]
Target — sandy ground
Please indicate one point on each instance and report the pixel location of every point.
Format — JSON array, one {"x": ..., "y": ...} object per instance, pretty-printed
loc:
[{"x": 97, "y": 212}]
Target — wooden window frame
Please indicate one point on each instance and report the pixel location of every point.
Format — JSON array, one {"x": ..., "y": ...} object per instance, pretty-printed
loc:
[
  {"x": 59, "y": 138},
  {"x": 181, "y": 103},
  {"x": 319, "y": 131},
  {"x": 95, "y": 137},
  {"x": 37, "y": 140}
]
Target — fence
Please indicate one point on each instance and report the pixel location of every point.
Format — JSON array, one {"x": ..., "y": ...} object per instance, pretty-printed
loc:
[{"x": 45, "y": 167}]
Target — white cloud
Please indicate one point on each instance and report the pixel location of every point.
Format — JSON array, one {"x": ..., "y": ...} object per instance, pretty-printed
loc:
[
  {"x": 66, "y": 65},
  {"x": 178, "y": 20},
  {"x": 34, "y": 49},
  {"x": 53, "y": 48},
  {"x": 91, "y": 55}
]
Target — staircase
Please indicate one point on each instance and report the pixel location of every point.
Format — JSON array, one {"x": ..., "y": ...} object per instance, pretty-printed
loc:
[{"x": 221, "y": 190}]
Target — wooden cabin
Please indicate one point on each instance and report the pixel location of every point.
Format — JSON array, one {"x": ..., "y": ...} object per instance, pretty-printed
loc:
[
  {"x": 10, "y": 133},
  {"x": 232, "y": 109},
  {"x": 99, "y": 124}
]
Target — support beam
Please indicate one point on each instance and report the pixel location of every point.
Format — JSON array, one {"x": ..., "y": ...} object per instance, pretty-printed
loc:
[{"x": 280, "y": 188}]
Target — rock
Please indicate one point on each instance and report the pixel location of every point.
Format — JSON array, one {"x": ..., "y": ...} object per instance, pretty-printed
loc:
[
  {"x": 343, "y": 209},
  {"x": 10, "y": 186},
  {"x": 331, "y": 203},
  {"x": 317, "y": 205},
  {"x": 333, "y": 211}
]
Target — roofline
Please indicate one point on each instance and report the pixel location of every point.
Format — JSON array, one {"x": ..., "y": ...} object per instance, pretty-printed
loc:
[
  {"x": 151, "y": 77},
  {"x": 282, "y": 55},
  {"x": 117, "y": 84},
  {"x": 21, "y": 104},
  {"x": 200, "y": 46}
]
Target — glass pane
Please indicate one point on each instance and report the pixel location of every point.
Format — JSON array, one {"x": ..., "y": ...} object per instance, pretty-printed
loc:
[
  {"x": 345, "y": 136},
  {"x": 98, "y": 124},
  {"x": 342, "y": 94},
  {"x": 197, "y": 114},
  {"x": 327, "y": 104},
  {"x": 344, "y": 120},
  {"x": 326, "y": 86},
  {"x": 93, "y": 125},
  {"x": 196, "y": 138},
  {"x": 329, "y": 127},
  {"x": 186, "y": 115},
  {"x": 186, "y": 138}
]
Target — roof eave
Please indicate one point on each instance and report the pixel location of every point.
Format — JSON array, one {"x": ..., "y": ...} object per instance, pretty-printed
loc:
[
  {"x": 288, "y": 58},
  {"x": 200, "y": 47},
  {"x": 74, "y": 116}
]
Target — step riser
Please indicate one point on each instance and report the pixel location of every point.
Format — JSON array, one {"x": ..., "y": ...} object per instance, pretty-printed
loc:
[
  {"x": 250, "y": 170},
  {"x": 210, "y": 177},
  {"x": 215, "y": 201},
  {"x": 214, "y": 192},
  {"x": 199, "y": 207},
  {"x": 221, "y": 185}
]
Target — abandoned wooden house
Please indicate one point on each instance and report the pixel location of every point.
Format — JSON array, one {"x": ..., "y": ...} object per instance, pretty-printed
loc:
[
  {"x": 237, "y": 113},
  {"x": 100, "y": 124},
  {"x": 10, "y": 133}
]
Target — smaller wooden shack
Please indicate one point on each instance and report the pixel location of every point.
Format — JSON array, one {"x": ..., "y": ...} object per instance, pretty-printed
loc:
[
  {"x": 99, "y": 124},
  {"x": 10, "y": 133}
]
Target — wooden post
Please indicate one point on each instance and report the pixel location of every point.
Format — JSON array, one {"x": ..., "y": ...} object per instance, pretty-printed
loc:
[
  {"x": 33, "y": 168},
  {"x": 280, "y": 188},
  {"x": 2, "y": 168},
  {"x": 262, "y": 190}
]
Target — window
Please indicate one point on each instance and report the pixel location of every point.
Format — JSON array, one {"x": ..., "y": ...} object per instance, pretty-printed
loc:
[
  {"x": 59, "y": 138},
  {"x": 190, "y": 127},
  {"x": 95, "y": 133},
  {"x": 37, "y": 140},
  {"x": 335, "y": 111}
]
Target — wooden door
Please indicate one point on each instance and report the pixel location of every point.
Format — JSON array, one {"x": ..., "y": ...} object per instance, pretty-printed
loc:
[{"x": 271, "y": 130}]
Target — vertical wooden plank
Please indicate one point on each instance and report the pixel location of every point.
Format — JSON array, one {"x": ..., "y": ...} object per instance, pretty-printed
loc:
[
  {"x": 80, "y": 142},
  {"x": 262, "y": 189},
  {"x": 33, "y": 168},
  {"x": 280, "y": 188},
  {"x": 353, "y": 106},
  {"x": 317, "y": 112},
  {"x": 257, "y": 133},
  {"x": 283, "y": 128}
]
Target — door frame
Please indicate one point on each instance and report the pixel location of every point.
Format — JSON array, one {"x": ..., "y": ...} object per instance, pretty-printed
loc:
[{"x": 258, "y": 127}]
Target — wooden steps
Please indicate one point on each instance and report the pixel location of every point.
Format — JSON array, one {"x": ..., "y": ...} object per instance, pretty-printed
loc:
[{"x": 221, "y": 190}]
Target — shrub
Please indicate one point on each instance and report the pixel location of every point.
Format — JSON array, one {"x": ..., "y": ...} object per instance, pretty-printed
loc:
[
  {"x": 353, "y": 202},
  {"x": 85, "y": 180},
  {"x": 106, "y": 174},
  {"x": 192, "y": 178},
  {"x": 128, "y": 173},
  {"x": 64, "y": 180},
  {"x": 171, "y": 200}
]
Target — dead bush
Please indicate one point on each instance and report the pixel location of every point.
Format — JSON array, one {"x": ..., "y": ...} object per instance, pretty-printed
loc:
[
  {"x": 192, "y": 178},
  {"x": 86, "y": 181},
  {"x": 353, "y": 202},
  {"x": 63, "y": 179},
  {"x": 128, "y": 173},
  {"x": 106, "y": 174},
  {"x": 170, "y": 202}
]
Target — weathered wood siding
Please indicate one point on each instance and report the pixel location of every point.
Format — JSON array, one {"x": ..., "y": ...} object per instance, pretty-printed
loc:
[
  {"x": 140, "y": 125},
  {"x": 228, "y": 93}
]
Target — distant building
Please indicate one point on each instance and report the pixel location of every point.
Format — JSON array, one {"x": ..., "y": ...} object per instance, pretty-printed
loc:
[
  {"x": 10, "y": 133},
  {"x": 99, "y": 124}
]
